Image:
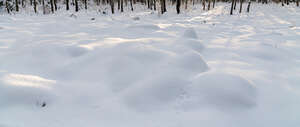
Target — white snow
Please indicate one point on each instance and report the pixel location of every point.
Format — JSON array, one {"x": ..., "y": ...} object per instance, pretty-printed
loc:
[{"x": 140, "y": 69}]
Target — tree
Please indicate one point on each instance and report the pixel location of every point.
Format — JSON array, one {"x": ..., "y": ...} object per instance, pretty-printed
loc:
[
  {"x": 154, "y": 4},
  {"x": 241, "y": 5},
  {"x": 122, "y": 6},
  {"x": 203, "y": 4},
  {"x": 43, "y": 3},
  {"x": 67, "y": 5},
  {"x": 34, "y": 6},
  {"x": 163, "y": 6},
  {"x": 85, "y": 4},
  {"x": 248, "y": 8},
  {"x": 112, "y": 6},
  {"x": 208, "y": 6},
  {"x": 7, "y": 6},
  {"x": 178, "y": 2},
  {"x": 52, "y": 5},
  {"x": 234, "y": 7},
  {"x": 131, "y": 5},
  {"x": 76, "y": 6},
  {"x": 17, "y": 5},
  {"x": 55, "y": 5},
  {"x": 231, "y": 10}
]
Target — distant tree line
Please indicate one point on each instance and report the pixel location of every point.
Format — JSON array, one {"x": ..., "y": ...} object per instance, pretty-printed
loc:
[{"x": 51, "y": 6}]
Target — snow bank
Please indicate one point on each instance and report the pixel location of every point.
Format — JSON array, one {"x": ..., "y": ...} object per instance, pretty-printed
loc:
[
  {"x": 25, "y": 90},
  {"x": 191, "y": 70},
  {"x": 224, "y": 91}
]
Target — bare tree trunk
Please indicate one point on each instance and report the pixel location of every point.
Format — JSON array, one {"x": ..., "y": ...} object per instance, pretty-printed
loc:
[
  {"x": 52, "y": 5},
  {"x": 282, "y": 3},
  {"x": 17, "y": 5},
  {"x": 154, "y": 5},
  {"x": 7, "y": 7},
  {"x": 112, "y": 4},
  {"x": 178, "y": 2},
  {"x": 208, "y": 6},
  {"x": 67, "y": 5},
  {"x": 119, "y": 4},
  {"x": 34, "y": 6},
  {"x": 43, "y": 3},
  {"x": 31, "y": 2},
  {"x": 165, "y": 8},
  {"x": 231, "y": 10},
  {"x": 234, "y": 7},
  {"x": 162, "y": 7},
  {"x": 186, "y": 4},
  {"x": 248, "y": 8},
  {"x": 214, "y": 2},
  {"x": 203, "y": 4},
  {"x": 55, "y": 5},
  {"x": 297, "y": 3},
  {"x": 76, "y": 6},
  {"x": 241, "y": 5},
  {"x": 85, "y": 4},
  {"x": 122, "y": 10},
  {"x": 23, "y": 3},
  {"x": 131, "y": 5}
]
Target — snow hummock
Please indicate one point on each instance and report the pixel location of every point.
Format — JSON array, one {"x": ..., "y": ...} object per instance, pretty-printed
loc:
[{"x": 189, "y": 70}]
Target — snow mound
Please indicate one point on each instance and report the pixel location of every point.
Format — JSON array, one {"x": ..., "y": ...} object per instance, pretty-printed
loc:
[
  {"x": 190, "y": 33},
  {"x": 144, "y": 27},
  {"x": 184, "y": 44},
  {"x": 151, "y": 95},
  {"x": 27, "y": 90},
  {"x": 223, "y": 91}
]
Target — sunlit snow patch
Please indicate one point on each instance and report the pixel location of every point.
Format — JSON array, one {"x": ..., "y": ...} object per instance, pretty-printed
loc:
[{"x": 27, "y": 80}]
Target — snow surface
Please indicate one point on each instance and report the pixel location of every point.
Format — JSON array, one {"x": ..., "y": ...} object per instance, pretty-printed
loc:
[{"x": 189, "y": 70}]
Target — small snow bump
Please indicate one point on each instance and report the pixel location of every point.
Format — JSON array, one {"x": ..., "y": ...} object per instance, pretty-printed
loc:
[
  {"x": 136, "y": 18},
  {"x": 190, "y": 33}
]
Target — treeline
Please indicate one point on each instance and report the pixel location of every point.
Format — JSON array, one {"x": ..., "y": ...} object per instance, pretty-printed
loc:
[{"x": 51, "y": 6}]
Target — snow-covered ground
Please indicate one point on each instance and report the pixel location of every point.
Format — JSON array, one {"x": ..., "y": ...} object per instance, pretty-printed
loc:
[{"x": 194, "y": 69}]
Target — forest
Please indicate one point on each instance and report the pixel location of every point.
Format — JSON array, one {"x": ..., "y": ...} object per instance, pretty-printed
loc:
[{"x": 51, "y": 6}]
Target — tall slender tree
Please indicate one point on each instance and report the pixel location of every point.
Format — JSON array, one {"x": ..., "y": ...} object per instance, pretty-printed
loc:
[
  {"x": 154, "y": 5},
  {"x": 43, "y": 3},
  {"x": 208, "y": 6},
  {"x": 131, "y": 5},
  {"x": 122, "y": 10},
  {"x": 52, "y": 5},
  {"x": 34, "y": 6},
  {"x": 55, "y": 4},
  {"x": 17, "y": 5},
  {"x": 241, "y": 6},
  {"x": 85, "y": 4},
  {"x": 7, "y": 7},
  {"x": 232, "y": 4},
  {"x": 178, "y": 2},
  {"x": 76, "y": 6},
  {"x": 67, "y": 5},
  {"x": 248, "y": 8},
  {"x": 112, "y": 6},
  {"x": 203, "y": 4}
]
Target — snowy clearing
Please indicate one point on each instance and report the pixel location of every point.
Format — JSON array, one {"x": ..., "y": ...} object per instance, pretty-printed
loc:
[{"x": 198, "y": 69}]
